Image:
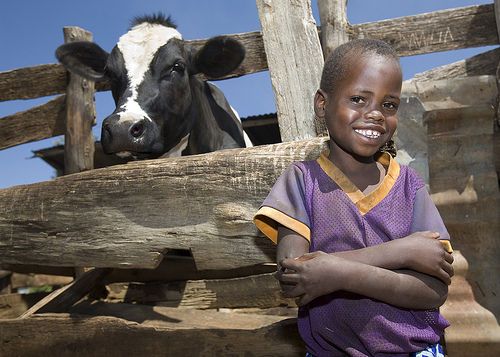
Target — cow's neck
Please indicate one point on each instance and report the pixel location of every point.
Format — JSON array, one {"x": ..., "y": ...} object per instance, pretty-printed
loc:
[{"x": 206, "y": 136}]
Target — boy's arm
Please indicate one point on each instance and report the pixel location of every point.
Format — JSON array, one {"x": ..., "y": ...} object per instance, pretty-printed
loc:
[
  {"x": 291, "y": 245},
  {"x": 318, "y": 273},
  {"x": 420, "y": 251}
]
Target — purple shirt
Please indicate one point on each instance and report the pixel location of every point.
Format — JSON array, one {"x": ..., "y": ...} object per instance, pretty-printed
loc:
[{"x": 317, "y": 200}]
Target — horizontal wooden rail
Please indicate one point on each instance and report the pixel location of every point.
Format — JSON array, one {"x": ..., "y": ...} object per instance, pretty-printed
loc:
[{"x": 127, "y": 216}]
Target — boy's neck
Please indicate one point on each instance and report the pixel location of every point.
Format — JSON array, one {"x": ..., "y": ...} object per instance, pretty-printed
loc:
[{"x": 364, "y": 172}]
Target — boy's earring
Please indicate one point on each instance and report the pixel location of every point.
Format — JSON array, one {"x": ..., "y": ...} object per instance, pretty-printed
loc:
[{"x": 389, "y": 147}]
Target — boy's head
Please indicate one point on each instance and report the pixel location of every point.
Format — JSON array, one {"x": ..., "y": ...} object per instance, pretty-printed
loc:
[
  {"x": 359, "y": 96},
  {"x": 338, "y": 61}
]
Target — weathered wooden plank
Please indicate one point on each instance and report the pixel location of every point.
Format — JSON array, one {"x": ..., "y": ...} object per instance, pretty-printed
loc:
[
  {"x": 63, "y": 298},
  {"x": 256, "y": 291},
  {"x": 479, "y": 65},
  {"x": 38, "y": 123},
  {"x": 453, "y": 93},
  {"x": 32, "y": 82},
  {"x": 147, "y": 331},
  {"x": 36, "y": 81},
  {"x": 295, "y": 77},
  {"x": 335, "y": 29},
  {"x": 80, "y": 114},
  {"x": 128, "y": 215},
  {"x": 471, "y": 26}
]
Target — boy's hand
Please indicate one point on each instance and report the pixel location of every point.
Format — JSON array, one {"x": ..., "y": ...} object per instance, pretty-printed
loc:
[
  {"x": 310, "y": 276},
  {"x": 426, "y": 254}
]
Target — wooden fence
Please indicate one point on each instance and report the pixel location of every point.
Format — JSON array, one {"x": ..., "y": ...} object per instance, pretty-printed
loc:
[{"x": 122, "y": 220}]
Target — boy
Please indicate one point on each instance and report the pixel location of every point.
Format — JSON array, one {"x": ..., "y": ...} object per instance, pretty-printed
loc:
[{"x": 358, "y": 235}]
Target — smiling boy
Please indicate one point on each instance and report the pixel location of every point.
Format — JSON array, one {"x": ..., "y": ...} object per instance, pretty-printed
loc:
[{"x": 359, "y": 238}]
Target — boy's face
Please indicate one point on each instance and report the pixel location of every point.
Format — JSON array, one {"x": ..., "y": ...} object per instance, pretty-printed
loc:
[{"x": 361, "y": 113}]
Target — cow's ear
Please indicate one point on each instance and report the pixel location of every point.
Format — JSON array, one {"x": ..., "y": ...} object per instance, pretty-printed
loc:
[
  {"x": 84, "y": 58},
  {"x": 220, "y": 56}
]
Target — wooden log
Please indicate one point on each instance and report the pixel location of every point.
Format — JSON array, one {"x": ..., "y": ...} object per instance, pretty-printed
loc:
[
  {"x": 257, "y": 291},
  {"x": 291, "y": 30},
  {"x": 335, "y": 28},
  {"x": 37, "y": 81},
  {"x": 80, "y": 114},
  {"x": 444, "y": 30},
  {"x": 479, "y": 65},
  {"x": 127, "y": 216},
  {"x": 453, "y": 93},
  {"x": 38, "y": 123},
  {"x": 147, "y": 331},
  {"x": 63, "y": 298},
  {"x": 32, "y": 82}
]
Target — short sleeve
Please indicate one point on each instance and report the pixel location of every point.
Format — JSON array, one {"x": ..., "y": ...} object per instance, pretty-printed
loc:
[
  {"x": 285, "y": 205},
  {"x": 426, "y": 217}
]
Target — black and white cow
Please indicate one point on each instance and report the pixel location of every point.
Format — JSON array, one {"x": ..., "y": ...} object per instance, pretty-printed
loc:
[{"x": 162, "y": 107}]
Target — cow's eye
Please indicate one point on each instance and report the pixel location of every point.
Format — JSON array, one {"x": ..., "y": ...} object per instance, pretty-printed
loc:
[{"x": 179, "y": 67}]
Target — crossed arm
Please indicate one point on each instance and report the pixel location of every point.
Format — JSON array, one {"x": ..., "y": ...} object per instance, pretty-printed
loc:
[{"x": 412, "y": 272}]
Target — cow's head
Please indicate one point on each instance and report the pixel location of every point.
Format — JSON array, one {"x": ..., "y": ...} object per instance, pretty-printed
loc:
[{"x": 150, "y": 69}]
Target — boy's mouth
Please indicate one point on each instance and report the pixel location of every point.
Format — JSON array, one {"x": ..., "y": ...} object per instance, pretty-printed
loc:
[{"x": 372, "y": 134}]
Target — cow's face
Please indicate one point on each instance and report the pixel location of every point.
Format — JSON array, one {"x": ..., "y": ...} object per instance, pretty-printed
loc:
[
  {"x": 151, "y": 71},
  {"x": 149, "y": 76}
]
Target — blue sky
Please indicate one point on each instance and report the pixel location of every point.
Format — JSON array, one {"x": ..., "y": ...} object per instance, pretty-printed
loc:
[{"x": 30, "y": 31}]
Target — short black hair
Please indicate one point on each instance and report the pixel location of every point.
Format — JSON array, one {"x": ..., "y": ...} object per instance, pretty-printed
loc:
[
  {"x": 337, "y": 62},
  {"x": 155, "y": 19}
]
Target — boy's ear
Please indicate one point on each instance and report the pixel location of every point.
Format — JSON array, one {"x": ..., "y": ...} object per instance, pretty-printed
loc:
[{"x": 319, "y": 103}]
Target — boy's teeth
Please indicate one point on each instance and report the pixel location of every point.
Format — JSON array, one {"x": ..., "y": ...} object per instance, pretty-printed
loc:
[{"x": 368, "y": 133}]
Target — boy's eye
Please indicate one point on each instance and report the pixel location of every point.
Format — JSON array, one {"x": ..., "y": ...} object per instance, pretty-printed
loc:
[
  {"x": 391, "y": 106},
  {"x": 357, "y": 100}
]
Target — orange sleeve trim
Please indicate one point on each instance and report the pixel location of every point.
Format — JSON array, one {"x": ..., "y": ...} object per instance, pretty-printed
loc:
[
  {"x": 268, "y": 220},
  {"x": 447, "y": 245}
]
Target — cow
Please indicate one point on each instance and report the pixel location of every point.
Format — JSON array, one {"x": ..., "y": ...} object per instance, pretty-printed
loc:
[{"x": 163, "y": 107}]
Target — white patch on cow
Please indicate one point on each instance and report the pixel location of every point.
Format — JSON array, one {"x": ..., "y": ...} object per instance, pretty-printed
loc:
[
  {"x": 246, "y": 138},
  {"x": 177, "y": 150},
  {"x": 138, "y": 47},
  {"x": 132, "y": 111}
]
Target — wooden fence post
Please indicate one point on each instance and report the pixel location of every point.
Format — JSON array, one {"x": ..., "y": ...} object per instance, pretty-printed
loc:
[
  {"x": 335, "y": 27},
  {"x": 79, "y": 144},
  {"x": 80, "y": 114},
  {"x": 295, "y": 62}
]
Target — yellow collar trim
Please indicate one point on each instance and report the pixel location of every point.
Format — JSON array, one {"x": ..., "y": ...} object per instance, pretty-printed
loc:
[{"x": 364, "y": 203}]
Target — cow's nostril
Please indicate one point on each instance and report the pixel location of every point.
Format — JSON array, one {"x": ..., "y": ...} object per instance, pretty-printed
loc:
[
  {"x": 136, "y": 130},
  {"x": 105, "y": 125}
]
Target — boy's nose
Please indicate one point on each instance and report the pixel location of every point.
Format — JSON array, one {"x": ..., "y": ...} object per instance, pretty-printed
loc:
[{"x": 374, "y": 114}]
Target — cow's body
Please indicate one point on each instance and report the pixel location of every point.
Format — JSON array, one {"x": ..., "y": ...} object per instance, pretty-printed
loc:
[{"x": 162, "y": 107}]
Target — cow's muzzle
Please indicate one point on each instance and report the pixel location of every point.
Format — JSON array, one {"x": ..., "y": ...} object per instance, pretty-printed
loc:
[{"x": 134, "y": 135}]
